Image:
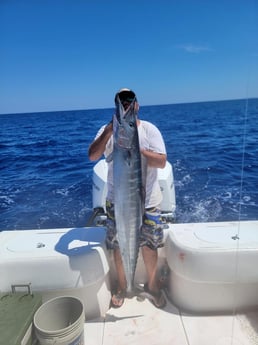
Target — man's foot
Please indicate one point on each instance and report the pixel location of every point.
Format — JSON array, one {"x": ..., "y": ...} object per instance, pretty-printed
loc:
[
  {"x": 156, "y": 298},
  {"x": 117, "y": 299}
]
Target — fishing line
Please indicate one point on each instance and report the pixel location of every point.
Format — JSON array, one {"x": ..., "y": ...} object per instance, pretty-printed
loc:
[
  {"x": 243, "y": 162},
  {"x": 253, "y": 21},
  {"x": 237, "y": 236}
]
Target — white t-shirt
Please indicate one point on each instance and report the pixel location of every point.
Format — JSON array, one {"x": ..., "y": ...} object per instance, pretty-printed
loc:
[{"x": 151, "y": 139}]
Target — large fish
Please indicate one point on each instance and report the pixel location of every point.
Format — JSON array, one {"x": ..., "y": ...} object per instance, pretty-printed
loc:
[{"x": 128, "y": 189}]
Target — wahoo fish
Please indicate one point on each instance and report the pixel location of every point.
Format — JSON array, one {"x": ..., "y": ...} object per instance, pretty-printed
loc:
[{"x": 128, "y": 189}]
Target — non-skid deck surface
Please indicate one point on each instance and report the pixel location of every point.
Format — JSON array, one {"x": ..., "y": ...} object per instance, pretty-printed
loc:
[{"x": 141, "y": 323}]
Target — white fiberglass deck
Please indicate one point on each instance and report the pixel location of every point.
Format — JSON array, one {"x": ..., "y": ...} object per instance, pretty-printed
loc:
[{"x": 141, "y": 323}]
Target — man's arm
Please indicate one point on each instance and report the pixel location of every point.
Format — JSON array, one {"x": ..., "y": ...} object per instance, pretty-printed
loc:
[
  {"x": 98, "y": 146},
  {"x": 154, "y": 159}
]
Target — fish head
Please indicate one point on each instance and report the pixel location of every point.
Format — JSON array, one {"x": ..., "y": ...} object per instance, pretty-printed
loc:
[{"x": 125, "y": 122}]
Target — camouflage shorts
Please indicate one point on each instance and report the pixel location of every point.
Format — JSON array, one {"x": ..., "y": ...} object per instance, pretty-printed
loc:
[{"x": 151, "y": 232}]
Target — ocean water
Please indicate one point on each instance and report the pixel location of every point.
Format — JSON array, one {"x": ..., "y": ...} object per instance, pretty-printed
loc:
[{"x": 46, "y": 177}]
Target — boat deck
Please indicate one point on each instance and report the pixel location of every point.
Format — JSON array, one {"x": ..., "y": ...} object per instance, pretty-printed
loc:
[{"x": 139, "y": 322}]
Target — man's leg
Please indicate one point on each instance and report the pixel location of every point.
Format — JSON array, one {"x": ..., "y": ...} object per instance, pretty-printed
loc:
[
  {"x": 150, "y": 258},
  {"x": 119, "y": 291},
  {"x": 152, "y": 238},
  {"x": 121, "y": 280},
  {"x": 152, "y": 289}
]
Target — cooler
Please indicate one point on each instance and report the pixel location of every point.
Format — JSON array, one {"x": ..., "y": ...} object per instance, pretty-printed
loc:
[{"x": 16, "y": 317}]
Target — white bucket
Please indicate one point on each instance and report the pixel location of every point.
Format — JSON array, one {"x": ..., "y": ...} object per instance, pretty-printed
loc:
[{"x": 60, "y": 321}]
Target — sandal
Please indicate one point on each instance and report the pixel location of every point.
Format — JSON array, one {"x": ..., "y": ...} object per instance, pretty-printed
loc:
[
  {"x": 117, "y": 299},
  {"x": 156, "y": 298}
]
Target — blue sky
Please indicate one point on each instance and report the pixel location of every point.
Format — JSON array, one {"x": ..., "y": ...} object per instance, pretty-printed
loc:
[{"x": 75, "y": 54}]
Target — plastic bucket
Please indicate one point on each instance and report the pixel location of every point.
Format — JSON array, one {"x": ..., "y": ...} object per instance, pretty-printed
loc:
[{"x": 60, "y": 321}]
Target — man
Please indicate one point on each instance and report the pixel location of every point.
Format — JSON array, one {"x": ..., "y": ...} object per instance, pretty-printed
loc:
[{"x": 153, "y": 154}]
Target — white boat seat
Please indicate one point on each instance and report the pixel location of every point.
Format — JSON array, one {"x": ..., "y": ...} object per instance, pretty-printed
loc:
[{"x": 213, "y": 265}]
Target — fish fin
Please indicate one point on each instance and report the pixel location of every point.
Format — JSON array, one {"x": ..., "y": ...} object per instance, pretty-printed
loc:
[
  {"x": 143, "y": 195},
  {"x": 109, "y": 158}
]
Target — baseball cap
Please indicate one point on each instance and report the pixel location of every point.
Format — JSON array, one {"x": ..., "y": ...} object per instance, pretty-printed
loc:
[{"x": 126, "y": 95}]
